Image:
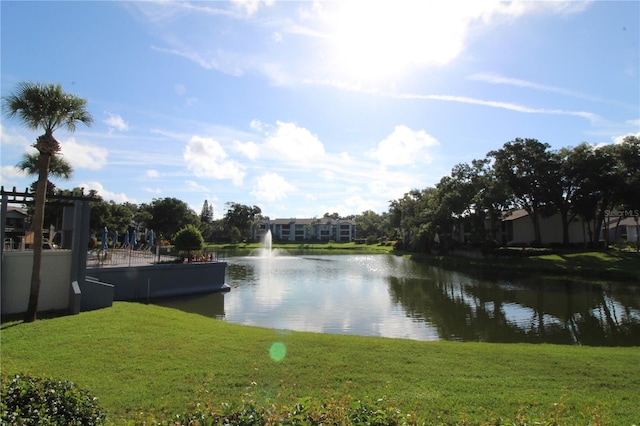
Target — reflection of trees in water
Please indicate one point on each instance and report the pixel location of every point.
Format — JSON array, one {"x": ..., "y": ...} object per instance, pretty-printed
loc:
[
  {"x": 241, "y": 272},
  {"x": 531, "y": 310}
]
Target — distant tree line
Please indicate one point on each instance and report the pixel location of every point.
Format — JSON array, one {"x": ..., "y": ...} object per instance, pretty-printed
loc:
[
  {"x": 577, "y": 182},
  {"x": 581, "y": 182}
]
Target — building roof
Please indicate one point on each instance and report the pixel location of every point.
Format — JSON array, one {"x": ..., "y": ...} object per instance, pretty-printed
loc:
[
  {"x": 624, "y": 221},
  {"x": 514, "y": 214},
  {"x": 309, "y": 221},
  {"x": 16, "y": 209}
]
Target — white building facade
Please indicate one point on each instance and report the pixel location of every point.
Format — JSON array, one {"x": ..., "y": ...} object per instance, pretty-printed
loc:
[{"x": 296, "y": 229}]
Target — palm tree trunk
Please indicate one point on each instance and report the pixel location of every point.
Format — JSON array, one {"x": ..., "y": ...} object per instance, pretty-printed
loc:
[{"x": 38, "y": 224}]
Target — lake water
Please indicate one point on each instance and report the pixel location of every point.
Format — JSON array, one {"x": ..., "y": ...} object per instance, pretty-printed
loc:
[{"x": 389, "y": 296}]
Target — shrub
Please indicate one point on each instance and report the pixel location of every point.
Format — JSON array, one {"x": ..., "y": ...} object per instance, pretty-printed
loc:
[
  {"x": 305, "y": 412},
  {"x": 371, "y": 239},
  {"x": 37, "y": 401},
  {"x": 188, "y": 239}
]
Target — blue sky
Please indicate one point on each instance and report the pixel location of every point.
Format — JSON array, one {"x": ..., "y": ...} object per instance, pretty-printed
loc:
[{"x": 303, "y": 108}]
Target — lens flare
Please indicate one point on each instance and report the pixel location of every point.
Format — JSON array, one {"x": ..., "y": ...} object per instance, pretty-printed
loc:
[{"x": 278, "y": 351}]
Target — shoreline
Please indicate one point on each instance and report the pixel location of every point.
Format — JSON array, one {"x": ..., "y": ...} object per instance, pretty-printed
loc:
[{"x": 594, "y": 266}]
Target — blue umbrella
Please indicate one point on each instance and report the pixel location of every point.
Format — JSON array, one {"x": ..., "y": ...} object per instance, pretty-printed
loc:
[
  {"x": 115, "y": 239},
  {"x": 105, "y": 238},
  {"x": 151, "y": 238},
  {"x": 126, "y": 239},
  {"x": 134, "y": 240}
]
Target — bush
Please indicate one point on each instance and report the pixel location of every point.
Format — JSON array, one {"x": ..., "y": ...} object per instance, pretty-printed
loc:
[
  {"x": 188, "y": 239},
  {"x": 36, "y": 401},
  {"x": 305, "y": 412},
  {"x": 371, "y": 239}
]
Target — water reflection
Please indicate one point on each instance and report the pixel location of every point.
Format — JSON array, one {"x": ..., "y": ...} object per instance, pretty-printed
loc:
[
  {"x": 388, "y": 296},
  {"x": 533, "y": 310}
]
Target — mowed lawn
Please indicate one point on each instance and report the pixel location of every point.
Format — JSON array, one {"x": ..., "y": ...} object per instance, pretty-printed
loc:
[{"x": 148, "y": 362}]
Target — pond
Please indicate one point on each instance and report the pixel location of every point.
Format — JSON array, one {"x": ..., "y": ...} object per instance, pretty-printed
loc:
[{"x": 390, "y": 296}]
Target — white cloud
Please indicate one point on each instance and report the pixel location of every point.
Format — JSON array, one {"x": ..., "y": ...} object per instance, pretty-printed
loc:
[
  {"x": 151, "y": 173},
  {"x": 271, "y": 187},
  {"x": 404, "y": 146},
  {"x": 222, "y": 60},
  {"x": 206, "y": 158},
  {"x": 327, "y": 175},
  {"x": 356, "y": 203},
  {"x": 295, "y": 143},
  {"x": 195, "y": 186},
  {"x": 250, "y": 7},
  {"x": 84, "y": 156},
  {"x": 494, "y": 78},
  {"x": 248, "y": 149},
  {"x": 343, "y": 41},
  {"x": 12, "y": 137},
  {"x": 11, "y": 172},
  {"x": 619, "y": 139},
  {"x": 351, "y": 204},
  {"x": 107, "y": 195},
  {"x": 115, "y": 122},
  {"x": 257, "y": 125},
  {"x": 504, "y": 105},
  {"x": 153, "y": 190}
]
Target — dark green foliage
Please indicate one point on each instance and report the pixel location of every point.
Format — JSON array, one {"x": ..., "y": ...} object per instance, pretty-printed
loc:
[
  {"x": 304, "y": 412},
  {"x": 188, "y": 239},
  {"x": 37, "y": 401},
  {"x": 240, "y": 217},
  {"x": 206, "y": 216},
  {"x": 166, "y": 216}
]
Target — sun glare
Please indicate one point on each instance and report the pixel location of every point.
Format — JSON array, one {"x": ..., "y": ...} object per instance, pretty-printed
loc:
[{"x": 373, "y": 40}]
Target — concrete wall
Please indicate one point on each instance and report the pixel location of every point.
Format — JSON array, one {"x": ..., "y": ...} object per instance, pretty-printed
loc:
[
  {"x": 55, "y": 281},
  {"x": 95, "y": 295},
  {"x": 148, "y": 281}
]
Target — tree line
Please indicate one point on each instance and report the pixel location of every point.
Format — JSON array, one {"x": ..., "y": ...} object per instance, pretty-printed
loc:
[
  {"x": 582, "y": 182},
  {"x": 577, "y": 183}
]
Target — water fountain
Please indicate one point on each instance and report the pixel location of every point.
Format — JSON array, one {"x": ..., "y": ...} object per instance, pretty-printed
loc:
[
  {"x": 268, "y": 239},
  {"x": 267, "y": 251}
]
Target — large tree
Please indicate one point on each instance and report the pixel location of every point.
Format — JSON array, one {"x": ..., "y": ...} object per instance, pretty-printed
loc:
[
  {"x": 239, "y": 218},
  {"x": 166, "y": 216},
  {"x": 206, "y": 215},
  {"x": 372, "y": 225},
  {"x": 524, "y": 165},
  {"x": 566, "y": 177},
  {"x": 43, "y": 107}
]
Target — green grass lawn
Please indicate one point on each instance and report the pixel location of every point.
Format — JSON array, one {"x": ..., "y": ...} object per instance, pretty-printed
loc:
[
  {"x": 297, "y": 247},
  {"x": 145, "y": 362}
]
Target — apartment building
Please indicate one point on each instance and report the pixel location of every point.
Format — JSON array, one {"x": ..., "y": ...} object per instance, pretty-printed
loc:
[{"x": 295, "y": 229}]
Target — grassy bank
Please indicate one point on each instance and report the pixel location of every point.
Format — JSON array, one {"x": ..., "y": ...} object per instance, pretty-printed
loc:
[
  {"x": 144, "y": 361},
  {"x": 294, "y": 248},
  {"x": 596, "y": 266}
]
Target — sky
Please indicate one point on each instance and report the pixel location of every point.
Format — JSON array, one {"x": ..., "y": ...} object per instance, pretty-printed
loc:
[{"x": 312, "y": 107}]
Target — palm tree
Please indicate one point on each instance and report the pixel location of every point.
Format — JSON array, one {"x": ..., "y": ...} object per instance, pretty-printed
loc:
[
  {"x": 58, "y": 168},
  {"x": 43, "y": 107}
]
